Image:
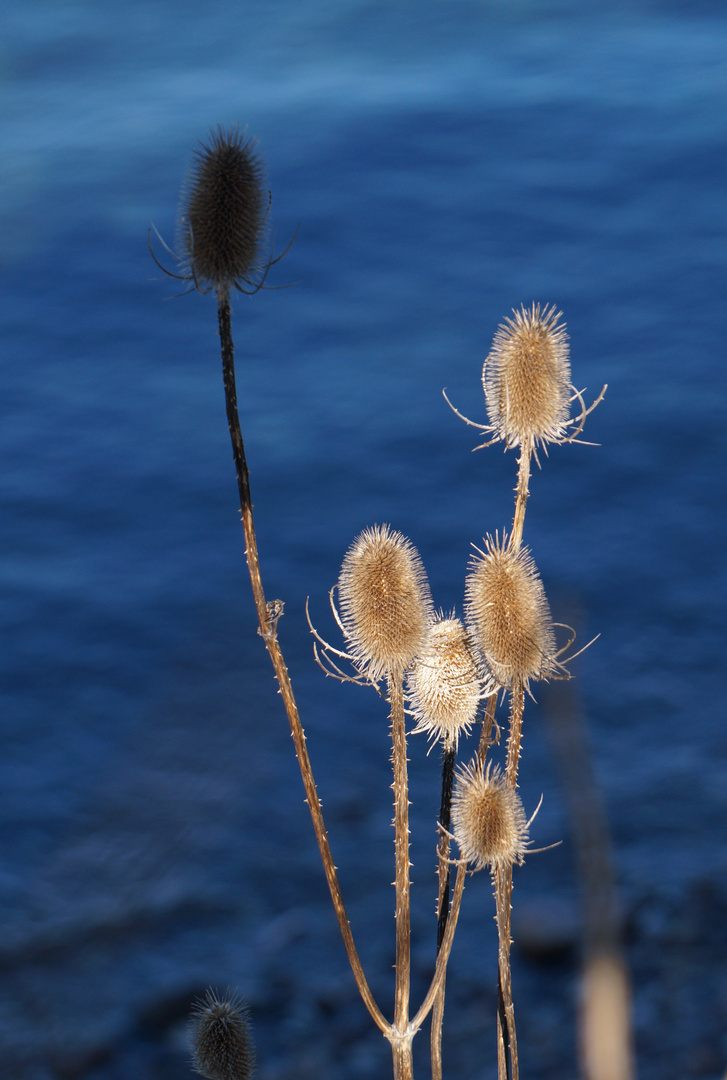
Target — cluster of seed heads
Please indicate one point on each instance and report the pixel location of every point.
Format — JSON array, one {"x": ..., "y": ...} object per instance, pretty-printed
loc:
[
  {"x": 221, "y": 1038},
  {"x": 488, "y": 819}
]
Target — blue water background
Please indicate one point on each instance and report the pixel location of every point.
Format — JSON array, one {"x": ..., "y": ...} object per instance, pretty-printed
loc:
[{"x": 443, "y": 162}]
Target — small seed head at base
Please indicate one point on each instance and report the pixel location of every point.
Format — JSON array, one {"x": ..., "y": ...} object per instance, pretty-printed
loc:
[
  {"x": 223, "y": 212},
  {"x": 508, "y": 614},
  {"x": 526, "y": 378},
  {"x": 385, "y": 601},
  {"x": 488, "y": 819},
  {"x": 447, "y": 682},
  {"x": 221, "y": 1038}
]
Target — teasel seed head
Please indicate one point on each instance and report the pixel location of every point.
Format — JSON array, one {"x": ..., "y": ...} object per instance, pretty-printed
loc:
[
  {"x": 385, "y": 602},
  {"x": 488, "y": 819},
  {"x": 508, "y": 614},
  {"x": 221, "y": 1037},
  {"x": 223, "y": 212},
  {"x": 526, "y": 378},
  {"x": 448, "y": 682}
]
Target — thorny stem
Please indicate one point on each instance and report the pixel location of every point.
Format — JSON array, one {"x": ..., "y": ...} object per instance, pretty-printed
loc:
[
  {"x": 486, "y": 733},
  {"x": 507, "y": 1040},
  {"x": 522, "y": 491},
  {"x": 507, "y": 1043},
  {"x": 517, "y": 704},
  {"x": 268, "y": 631},
  {"x": 445, "y": 816},
  {"x": 401, "y": 842}
]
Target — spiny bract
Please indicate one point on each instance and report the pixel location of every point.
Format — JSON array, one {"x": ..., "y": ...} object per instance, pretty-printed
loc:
[
  {"x": 526, "y": 378},
  {"x": 221, "y": 1037},
  {"x": 447, "y": 682},
  {"x": 385, "y": 601},
  {"x": 223, "y": 212},
  {"x": 508, "y": 614},
  {"x": 488, "y": 819}
]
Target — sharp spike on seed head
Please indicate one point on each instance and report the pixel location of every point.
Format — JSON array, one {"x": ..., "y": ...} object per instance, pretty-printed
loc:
[
  {"x": 526, "y": 378},
  {"x": 447, "y": 682},
  {"x": 385, "y": 601},
  {"x": 508, "y": 614},
  {"x": 221, "y": 1037},
  {"x": 223, "y": 211},
  {"x": 488, "y": 819}
]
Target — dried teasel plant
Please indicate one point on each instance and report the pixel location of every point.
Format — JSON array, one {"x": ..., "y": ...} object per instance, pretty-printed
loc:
[
  {"x": 390, "y": 631},
  {"x": 385, "y": 603},
  {"x": 447, "y": 683},
  {"x": 509, "y": 616},
  {"x": 488, "y": 819},
  {"x": 528, "y": 393}
]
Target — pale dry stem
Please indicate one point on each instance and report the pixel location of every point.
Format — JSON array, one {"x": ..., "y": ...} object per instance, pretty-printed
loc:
[
  {"x": 502, "y": 878},
  {"x": 522, "y": 491},
  {"x": 401, "y": 841}
]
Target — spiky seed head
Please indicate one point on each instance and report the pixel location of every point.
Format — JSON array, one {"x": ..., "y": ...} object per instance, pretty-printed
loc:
[
  {"x": 488, "y": 819},
  {"x": 447, "y": 682},
  {"x": 223, "y": 211},
  {"x": 221, "y": 1037},
  {"x": 385, "y": 601},
  {"x": 526, "y": 378},
  {"x": 508, "y": 614}
]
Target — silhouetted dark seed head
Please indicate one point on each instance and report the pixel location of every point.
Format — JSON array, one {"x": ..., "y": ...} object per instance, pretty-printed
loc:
[
  {"x": 223, "y": 211},
  {"x": 221, "y": 1037}
]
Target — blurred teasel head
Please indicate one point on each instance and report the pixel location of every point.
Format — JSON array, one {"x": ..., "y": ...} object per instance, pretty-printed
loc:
[
  {"x": 447, "y": 682},
  {"x": 488, "y": 819},
  {"x": 221, "y": 1037},
  {"x": 508, "y": 614},
  {"x": 385, "y": 602},
  {"x": 526, "y": 379},
  {"x": 223, "y": 213}
]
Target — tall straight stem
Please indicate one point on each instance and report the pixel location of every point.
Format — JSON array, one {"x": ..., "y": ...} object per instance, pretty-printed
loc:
[
  {"x": 401, "y": 843},
  {"x": 268, "y": 620},
  {"x": 445, "y": 815},
  {"x": 507, "y": 1048}
]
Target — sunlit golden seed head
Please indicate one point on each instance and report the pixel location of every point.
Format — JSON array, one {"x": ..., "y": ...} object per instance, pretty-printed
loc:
[
  {"x": 221, "y": 1037},
  {"x": 384, "y": 600},
  {"x": 223, "y": 211},
  {"x": 488, "y": 819},
  {"x": 526, "y": 378},
  {"x": 447, "y": 682},
  {"x": 508, "y": 615}
]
